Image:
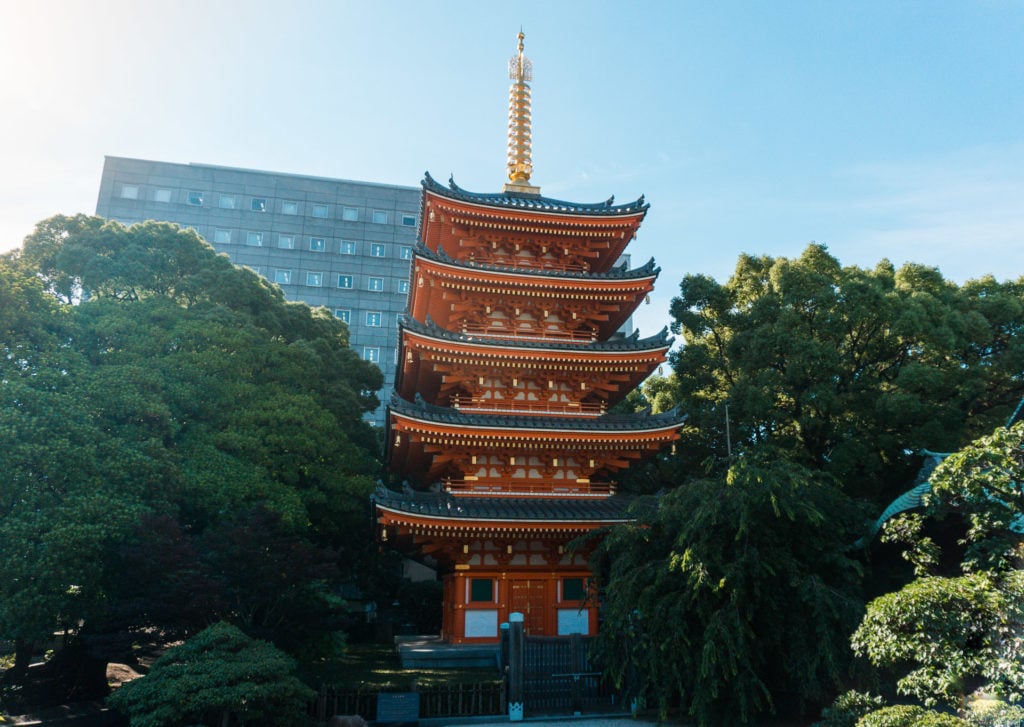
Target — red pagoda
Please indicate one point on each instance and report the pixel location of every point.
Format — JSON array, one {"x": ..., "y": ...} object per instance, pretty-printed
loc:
[{"x": 511, "y": 356}]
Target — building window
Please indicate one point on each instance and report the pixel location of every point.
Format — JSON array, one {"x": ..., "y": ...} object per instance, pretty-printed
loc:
[
  {"x": 227, "y": 202},
  {"x": 350, "y": 214},
  {"x": 380, "y": 217},
  {"x": 344, "y": 281},
  {"x": 403, "y": 286},
  {"x": 161, "y": 195},
  {"x": 194, "y": 198},
  {"x": 317, "y": 244},
  {"x": 405, "y": 252},
  {"x": 289, "y": 207},
  {"x": 343, "y": 314},
  {"x": 320, "y": 210},
  {"x": 376, "y": 284},
  {"x": 129, "y": 191},
  {"x": 255, "y": 239},
  {"x": 348, "y": 247},
  {"x": 408, "y": 220},
  {"x": 286, "y": 242},
  {"x": 371, "y": 354},
  {"x": 377, "y": 249},
  {"x": 314, "y": 279},
  {"x": 283, "y": 277},
  {"x": 573, "y": 589},
  {"x": 374, "y": 319},
  {"x": 222, "y": 236},
  {"x": 259, "y": 204},
  {"x": 481, "y": 590}
]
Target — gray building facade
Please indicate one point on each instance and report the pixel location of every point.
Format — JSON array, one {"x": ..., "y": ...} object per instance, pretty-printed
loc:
[{"x": 341, "y": 244}]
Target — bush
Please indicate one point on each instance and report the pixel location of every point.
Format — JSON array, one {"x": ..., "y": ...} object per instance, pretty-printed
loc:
[
  {"x": 907, "y": 715},
  {"x": 848, "y": 708},
  {"x": 217, "y": 675}
]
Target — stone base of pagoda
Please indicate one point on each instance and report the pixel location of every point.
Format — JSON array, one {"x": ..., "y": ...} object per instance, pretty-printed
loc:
[{"x": 431, "y": 652}]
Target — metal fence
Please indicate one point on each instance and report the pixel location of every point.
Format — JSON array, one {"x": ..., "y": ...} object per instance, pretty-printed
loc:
[{"x": 450, "y": 700}]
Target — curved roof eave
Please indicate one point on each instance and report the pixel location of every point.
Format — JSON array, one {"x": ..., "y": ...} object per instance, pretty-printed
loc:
[
  {"x": 533, "y": 203},
  {"x": 622, "y": 272},
  {"x": 625, "y": 423},
  {"x": 627, "y": 344}
]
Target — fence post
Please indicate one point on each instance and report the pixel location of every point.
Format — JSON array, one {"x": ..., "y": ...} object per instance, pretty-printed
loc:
[
  {"x": 578, "y": 662},
  {"x": 515, "y": 667}
]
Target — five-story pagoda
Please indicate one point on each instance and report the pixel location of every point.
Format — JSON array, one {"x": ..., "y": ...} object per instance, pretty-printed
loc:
[{"x": 510, "y": 357}]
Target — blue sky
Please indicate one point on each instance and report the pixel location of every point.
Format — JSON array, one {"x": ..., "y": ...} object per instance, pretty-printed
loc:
[{"x": 882, "y": 129}]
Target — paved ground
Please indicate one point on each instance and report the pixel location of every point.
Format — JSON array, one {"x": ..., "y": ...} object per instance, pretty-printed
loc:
[{"x": 605, "y": 721}]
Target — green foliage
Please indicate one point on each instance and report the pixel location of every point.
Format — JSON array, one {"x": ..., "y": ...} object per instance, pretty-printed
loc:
[
  {"x": 948, "y": 636},
  {"x": 956, "y": 633},
  {"x": 720, "y": 579},
  {"x": 218, "y": 677},
  {"x": 919, "y": 550},
  {"x": 983, "y": 483},
  {"x": 848, "y": 708},
  {"x": 843, "y": 368},
  {"x": 996, "y": 715},
  {"x": 144, "y": 377},
  {"x": 905, "y": 715}
]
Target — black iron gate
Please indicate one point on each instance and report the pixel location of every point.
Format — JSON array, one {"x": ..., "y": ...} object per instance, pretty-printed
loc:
[{"x": 559, "y": 678}]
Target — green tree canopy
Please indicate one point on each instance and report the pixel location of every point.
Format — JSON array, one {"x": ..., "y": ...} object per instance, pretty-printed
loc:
[
  {"x": 734, "y": 592},
  {"x": 144, "y": 376},
  {"x": 218, "y": 677},
  {"x": 846, "y": 369},
  {"x": 947, "y": 635},
  {"x": 808, "y": 387}
]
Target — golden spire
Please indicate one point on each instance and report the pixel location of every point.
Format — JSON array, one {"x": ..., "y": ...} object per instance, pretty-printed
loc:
[{"x": 520, "y": 167}]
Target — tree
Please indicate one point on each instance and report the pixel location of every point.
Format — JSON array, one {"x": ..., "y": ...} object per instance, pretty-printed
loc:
[
  {"x": 950, "y": 635},
  {"x": 146, "y": 379},
  {"x": 733, "y": 594},
  {"x": 845, "y": 369},
  {"x": 956, "y": 633},
  {"x": 807, "y": 386},
  {"x": 218, "y": 677}
]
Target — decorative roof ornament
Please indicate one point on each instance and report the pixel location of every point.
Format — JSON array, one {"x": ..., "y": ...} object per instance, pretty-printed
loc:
[{"x": 520, "y": 166}]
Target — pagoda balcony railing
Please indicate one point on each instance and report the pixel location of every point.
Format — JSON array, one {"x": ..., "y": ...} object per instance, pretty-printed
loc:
[
  {"x": 490, "y": 330},
  {"x": 480, "y": 405},
  {"x": 533, "y": 264},
  {"x": 533, "y": 489}
]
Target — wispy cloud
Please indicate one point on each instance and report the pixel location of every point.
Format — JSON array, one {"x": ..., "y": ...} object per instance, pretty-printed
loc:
[{"x": 963, "y": 212}]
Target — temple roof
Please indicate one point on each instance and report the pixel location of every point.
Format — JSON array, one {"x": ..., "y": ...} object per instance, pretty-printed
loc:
[
  {"x": 531, "y": 202},
  {"x": 443, "y": 505},
  {"x": 605, "y": 423},
  {"x": 621, "y": 272},
  {"x": 622, "y": 343}
]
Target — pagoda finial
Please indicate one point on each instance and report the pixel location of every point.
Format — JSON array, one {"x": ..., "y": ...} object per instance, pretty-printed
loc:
[{"x": 520, "y": 166}]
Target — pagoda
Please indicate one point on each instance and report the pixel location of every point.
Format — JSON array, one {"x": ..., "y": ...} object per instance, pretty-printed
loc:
[{"x": 511, "y": 356}]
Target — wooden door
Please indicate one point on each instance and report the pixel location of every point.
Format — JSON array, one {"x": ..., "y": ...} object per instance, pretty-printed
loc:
[{"x": 529, "y": 597}]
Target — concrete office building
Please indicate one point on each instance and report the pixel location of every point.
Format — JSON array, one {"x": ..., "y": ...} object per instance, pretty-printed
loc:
[{"x": 336, "y": 243}]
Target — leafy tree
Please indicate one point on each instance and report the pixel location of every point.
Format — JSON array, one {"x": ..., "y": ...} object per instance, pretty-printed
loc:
[
  {"x": 950, "y": 635},
  {"x": 146, "y": 379},
  {"x": 957, "y": 633},
  {"x": 721, "y": 578},
  {"x": 906, "y": 715},
  {"x": 843, "y": 368},
  {"x": 807, "y": 386},
  {"x": 218, "y": 677}
]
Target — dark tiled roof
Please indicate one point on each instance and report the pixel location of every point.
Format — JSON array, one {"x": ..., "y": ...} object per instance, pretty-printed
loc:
[
  {"x": 562, "y": 509},
  {"x": 622, "y": 272},
  {"x": 533, "y": 202},
  {"x": 621, "y": 343},
  {"x": 605, "y": 423}
]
